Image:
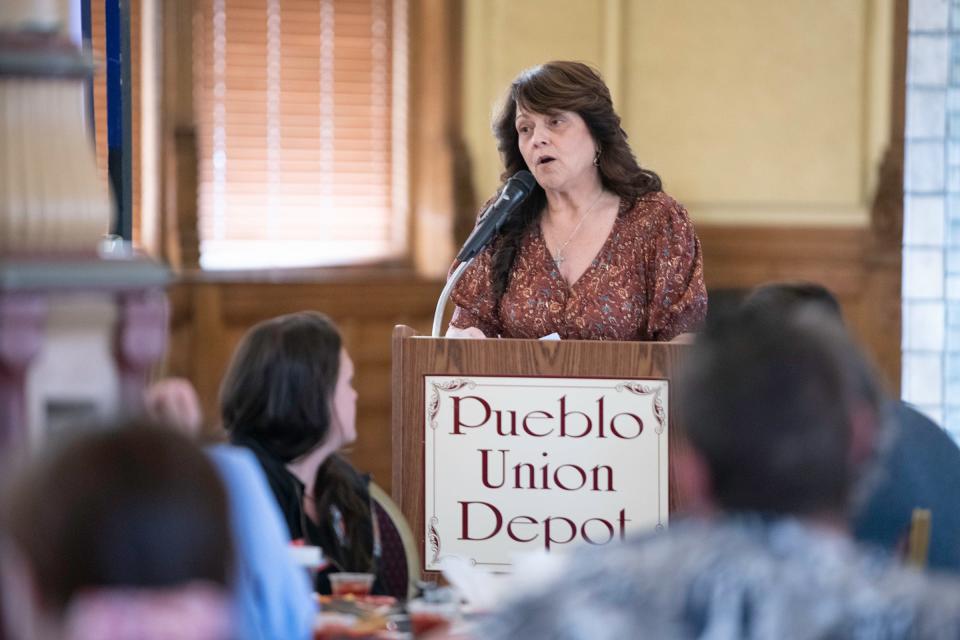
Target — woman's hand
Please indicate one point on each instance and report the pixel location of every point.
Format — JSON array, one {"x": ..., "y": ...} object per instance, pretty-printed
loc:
[{"x": 469, "y": 332}]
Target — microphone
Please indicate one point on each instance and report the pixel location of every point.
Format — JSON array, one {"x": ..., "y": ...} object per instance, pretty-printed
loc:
[{"x": 516, "y": 190}]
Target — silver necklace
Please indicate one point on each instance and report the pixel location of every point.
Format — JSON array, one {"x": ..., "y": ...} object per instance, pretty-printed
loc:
[{"x": 558, "y": 257}]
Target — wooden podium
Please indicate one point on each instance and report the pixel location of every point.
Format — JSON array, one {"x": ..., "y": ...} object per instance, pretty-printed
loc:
[{"x": 419, "y": 358}]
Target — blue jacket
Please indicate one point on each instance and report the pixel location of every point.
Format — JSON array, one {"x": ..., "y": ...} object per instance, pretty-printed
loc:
[{"x": 273, "y": 595}]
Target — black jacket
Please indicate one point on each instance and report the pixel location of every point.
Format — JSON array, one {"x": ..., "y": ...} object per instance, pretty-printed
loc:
[{"x": 288, "y": 491}]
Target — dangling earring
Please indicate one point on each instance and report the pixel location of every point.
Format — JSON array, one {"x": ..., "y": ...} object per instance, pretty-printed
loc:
[{"x": 596, "y": 158}]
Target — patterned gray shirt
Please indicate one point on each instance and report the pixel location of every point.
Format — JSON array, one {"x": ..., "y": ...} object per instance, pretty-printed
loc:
[{"x": 740, "y": 578}]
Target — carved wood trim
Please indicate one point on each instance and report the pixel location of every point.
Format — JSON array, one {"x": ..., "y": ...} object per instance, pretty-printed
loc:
[{"x": 886, "y": 213}]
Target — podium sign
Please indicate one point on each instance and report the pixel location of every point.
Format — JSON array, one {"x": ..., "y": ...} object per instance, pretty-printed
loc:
[{"x": 518, "y": 463}]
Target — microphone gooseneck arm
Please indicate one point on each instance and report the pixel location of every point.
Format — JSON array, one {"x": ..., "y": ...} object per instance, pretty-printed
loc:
[
  {"x": 514, "y": 192},
  {"x": 445, "y": 295}
]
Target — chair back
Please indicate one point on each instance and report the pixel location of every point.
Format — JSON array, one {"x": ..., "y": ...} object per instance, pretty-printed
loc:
[
  {"x": 399, "y": 559},
  {"x": 918, "y": 546}
]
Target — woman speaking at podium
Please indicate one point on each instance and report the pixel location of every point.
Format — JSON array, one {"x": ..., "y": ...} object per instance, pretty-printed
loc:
[{"x": 597, "y": 251}]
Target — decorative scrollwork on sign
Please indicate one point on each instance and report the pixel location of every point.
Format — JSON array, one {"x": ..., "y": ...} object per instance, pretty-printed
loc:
[
  {"x": 434, "y": 538},
  {"x": 646, "y": 390},
  {"x": 452, "y": 385}
]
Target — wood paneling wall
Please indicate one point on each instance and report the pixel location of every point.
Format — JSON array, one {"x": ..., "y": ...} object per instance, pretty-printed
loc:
[
  {"x": 864, "y": 276},
  {"x": 210, "y": 316}
]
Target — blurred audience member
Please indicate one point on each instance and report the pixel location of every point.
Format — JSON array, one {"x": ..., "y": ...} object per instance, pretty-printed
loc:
[
  {"x": 780, "y": 413},
  {"x": 119, "y": 534},
  {"x": 272, "y": 594},
  {"x": 288, "y": 397},
  {"x": 174, "y": 402},
  {"x": 919, "y": 463}
]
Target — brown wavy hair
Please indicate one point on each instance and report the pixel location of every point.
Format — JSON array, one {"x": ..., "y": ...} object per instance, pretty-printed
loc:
[{"x": 550, "y": 88}]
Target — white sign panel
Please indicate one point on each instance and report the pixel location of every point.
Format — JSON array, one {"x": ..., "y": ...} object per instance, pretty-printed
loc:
[{"x": 522, "y": 463}]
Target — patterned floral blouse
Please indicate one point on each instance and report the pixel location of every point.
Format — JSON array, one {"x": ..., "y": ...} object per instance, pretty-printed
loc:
[{"x": 646, "y": 283}]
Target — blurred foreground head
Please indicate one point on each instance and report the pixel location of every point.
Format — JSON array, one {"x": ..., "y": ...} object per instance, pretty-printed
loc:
[
  {"x": 781, "y": 411},
  {"x": 124, "y": 523},
  {"x": 789, "y": 297}
]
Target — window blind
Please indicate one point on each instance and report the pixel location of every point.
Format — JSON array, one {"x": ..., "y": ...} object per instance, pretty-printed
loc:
[{"x": 301, "y": 129}]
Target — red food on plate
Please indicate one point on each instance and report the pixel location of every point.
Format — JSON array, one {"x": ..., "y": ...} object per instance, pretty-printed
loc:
[
  {"x": 372, "y": 601},
  {"x": 425, "y": 621}
]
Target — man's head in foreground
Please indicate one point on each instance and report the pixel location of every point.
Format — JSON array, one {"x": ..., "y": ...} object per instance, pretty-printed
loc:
[{"x": 780, "y": 411}]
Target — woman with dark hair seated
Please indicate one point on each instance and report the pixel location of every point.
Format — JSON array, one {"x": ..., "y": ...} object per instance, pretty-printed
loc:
[
  {"x": 288, "y": 397},
  {"x": 118, "y": 535}
]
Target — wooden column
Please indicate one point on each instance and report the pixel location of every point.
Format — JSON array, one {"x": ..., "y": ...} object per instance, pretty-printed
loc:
[
  {"x": 435, "y": 149},
  {"x": 178, "y": 235}
]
